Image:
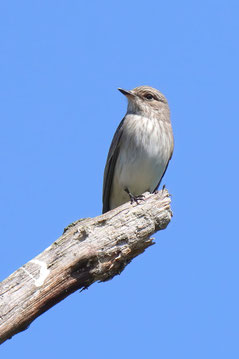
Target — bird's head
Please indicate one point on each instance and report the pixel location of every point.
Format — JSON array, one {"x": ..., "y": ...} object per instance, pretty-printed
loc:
[{"x": 145, "y": 100}]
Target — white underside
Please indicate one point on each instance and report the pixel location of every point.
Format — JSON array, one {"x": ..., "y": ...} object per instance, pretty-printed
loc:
[{"x": 144, "y": 153}]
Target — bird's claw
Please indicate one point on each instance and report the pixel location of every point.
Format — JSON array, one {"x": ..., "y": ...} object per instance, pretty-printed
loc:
[{"x": 134, "y": 198}]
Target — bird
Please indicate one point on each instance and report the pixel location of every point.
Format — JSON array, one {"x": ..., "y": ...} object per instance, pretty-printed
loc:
[{"x": 141, "y": 148}]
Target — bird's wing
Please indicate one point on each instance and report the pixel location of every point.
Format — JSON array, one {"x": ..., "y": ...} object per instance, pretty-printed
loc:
[
  {"x": 110, "y": 166},
  {"x": 164, "y": 171}
]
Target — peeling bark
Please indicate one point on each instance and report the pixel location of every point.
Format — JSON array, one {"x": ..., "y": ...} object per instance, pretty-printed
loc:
[{"x": 90, "y": 250}]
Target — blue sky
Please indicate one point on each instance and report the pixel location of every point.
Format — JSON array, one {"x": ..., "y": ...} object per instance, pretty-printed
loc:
[{"x": 60, "y": 65}]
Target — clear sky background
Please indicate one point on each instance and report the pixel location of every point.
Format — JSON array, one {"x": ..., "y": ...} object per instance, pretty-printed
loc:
[{"x": 60, "y": 65}]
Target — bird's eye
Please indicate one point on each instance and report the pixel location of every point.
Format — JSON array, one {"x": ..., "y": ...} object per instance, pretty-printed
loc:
[{"x": 148, "y": 96}]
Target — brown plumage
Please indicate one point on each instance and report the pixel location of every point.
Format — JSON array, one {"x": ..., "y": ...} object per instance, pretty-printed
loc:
[{"x": 141, "y": 148}]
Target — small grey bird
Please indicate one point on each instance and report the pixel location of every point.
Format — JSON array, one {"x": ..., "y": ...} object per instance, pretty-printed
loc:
[{"x": 140, "y": 150}]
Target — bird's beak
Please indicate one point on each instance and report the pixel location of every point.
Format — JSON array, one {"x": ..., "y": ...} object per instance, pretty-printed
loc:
[{"x": 128, "y": 94}]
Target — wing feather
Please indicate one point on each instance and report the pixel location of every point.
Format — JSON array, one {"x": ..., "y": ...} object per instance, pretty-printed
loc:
[
  {"x": 156, "y": 188},
  {"x": 110, "y": 166}
]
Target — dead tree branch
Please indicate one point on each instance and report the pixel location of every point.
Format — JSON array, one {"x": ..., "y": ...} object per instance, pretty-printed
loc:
[{"x": 90, "y": 250}]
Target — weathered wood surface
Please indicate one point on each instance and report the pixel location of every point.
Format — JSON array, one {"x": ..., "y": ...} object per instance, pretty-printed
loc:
[{"x": 90, "y": 250}]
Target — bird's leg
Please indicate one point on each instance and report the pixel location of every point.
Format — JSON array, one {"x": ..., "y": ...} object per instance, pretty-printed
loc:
[{"x": 134, "y": 198}]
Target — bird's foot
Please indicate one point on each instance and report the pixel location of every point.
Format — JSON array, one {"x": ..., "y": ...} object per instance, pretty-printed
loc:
[{"x": 134, "y": 198}]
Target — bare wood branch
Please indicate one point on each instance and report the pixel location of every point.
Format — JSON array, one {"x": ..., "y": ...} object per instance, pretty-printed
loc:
[{"x": 90, "y": 250}]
